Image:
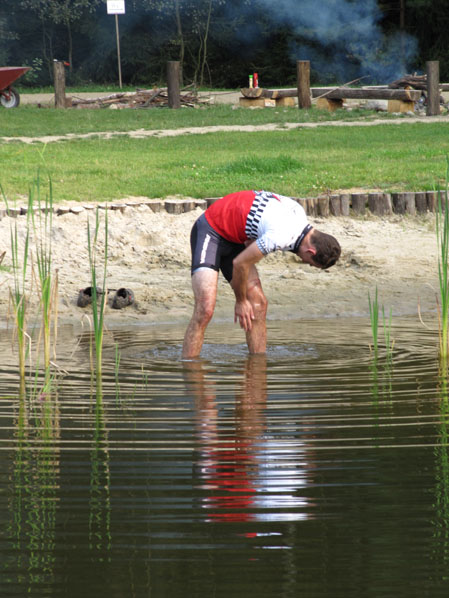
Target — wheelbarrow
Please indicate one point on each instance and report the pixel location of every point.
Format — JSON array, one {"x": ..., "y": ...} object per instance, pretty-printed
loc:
[{"x": 9, "y": 98}]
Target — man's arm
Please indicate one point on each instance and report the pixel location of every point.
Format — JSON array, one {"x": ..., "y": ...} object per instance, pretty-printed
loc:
[{"x": 241, "y": 267}]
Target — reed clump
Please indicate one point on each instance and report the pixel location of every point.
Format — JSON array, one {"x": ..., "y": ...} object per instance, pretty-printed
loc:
[
  {"x": 374, "y": 309},
  {"x": 442, "y": 232},
  {"x": 99, "y": 293}
]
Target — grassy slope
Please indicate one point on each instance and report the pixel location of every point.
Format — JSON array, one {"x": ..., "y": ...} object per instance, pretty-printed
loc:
[{"x": 300, "y": 162}]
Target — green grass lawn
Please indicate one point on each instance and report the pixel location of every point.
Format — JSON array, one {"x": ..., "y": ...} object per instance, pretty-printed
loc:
[
  {"x": 32, "y": 121},
  {"x": 302, "y": 162}
]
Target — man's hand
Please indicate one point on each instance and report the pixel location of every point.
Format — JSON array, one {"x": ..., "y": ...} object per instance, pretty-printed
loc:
[{"x": 244, "y": 314}]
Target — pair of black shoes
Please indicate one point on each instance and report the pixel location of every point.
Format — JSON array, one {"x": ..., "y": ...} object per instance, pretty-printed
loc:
[{"x": 122, "y": 297}]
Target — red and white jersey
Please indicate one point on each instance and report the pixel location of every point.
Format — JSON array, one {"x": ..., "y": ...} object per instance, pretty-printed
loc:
[{"x": 275, "y": 221}]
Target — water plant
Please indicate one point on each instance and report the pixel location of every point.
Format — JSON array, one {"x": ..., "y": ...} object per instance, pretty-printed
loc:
[
  {"x": 99, "y": 294},
  {"x": 18, "y": 294},
  {"x": 374, "y": 309},
  {"x": 442, "y": 232},
  {"x": 116, "y": 373},
  {"x": 42, "y": 218},
  {"x": 374, "y": 319}
]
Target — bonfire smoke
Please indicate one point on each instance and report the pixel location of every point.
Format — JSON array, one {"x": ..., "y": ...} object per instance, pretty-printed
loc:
[{"x": 343, "y": 39}]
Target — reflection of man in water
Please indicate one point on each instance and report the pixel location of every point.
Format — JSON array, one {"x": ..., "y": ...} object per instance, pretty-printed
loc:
[
  {"x": 243, "y": 473},
  {"x": 234, "y": 234}
]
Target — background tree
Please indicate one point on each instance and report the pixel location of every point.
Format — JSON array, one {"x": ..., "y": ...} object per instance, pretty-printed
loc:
[{"x": 220, "y": 42}]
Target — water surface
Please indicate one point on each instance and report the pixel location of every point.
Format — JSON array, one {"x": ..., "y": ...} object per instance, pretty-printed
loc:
[{"x": 313, "y": 471}]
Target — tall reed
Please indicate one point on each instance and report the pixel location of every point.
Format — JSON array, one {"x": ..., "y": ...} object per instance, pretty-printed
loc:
[
  {"x": 442, "y": 232},
  {"x": 42, "y": 220},
  {"x": 374, "y": 309},
  {"x": 374, "y": 319},
  {"x": 18, "y": 294},
  {"x": 98, "y": 293}
]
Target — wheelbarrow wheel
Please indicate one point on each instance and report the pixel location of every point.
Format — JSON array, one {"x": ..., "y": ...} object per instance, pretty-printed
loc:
[{"x": 11, "y": 99}]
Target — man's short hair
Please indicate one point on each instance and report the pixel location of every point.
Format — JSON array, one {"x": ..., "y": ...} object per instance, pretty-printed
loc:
[{"x": 327, "y": 247}]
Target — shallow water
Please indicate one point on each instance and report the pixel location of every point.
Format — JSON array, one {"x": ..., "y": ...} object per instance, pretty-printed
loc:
[{"x": 309, "y": 472}]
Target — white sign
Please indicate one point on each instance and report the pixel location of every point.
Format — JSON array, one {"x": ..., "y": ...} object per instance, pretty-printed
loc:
[{"x": 116, "y": 7}]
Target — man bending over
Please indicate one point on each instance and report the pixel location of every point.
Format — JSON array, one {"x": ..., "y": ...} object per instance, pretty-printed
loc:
[{"x": 232, "y": 235}]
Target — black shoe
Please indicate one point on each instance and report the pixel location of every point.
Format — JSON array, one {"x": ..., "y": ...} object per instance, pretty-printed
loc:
[
  {"x": 122, "y": 298},
  {"x": 85, "y": 296}
]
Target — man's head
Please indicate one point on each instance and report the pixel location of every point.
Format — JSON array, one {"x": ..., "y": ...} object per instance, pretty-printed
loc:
[{"x": 319, "y": 249}]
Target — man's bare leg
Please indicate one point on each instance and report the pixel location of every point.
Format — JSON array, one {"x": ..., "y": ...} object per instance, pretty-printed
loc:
[
  {"x": 256, "y": 338},
  {"x": 204, "y": 284}
]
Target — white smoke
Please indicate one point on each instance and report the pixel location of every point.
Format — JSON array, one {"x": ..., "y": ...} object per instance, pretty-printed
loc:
[{"x": 343, "y": 39}]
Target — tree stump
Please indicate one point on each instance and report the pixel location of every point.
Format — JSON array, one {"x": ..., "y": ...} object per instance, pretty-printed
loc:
[
  {"x": 358, "y": 203},
  {"x": 421, "y": 203},
  {"x": 345, "y": 202}
]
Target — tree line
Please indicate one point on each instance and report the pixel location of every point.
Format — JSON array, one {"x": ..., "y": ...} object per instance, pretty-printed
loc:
[{"x": 220, "y": 42}]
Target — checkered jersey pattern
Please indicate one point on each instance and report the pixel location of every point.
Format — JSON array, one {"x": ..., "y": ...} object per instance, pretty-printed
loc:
[{"x": 255, "y": 214}]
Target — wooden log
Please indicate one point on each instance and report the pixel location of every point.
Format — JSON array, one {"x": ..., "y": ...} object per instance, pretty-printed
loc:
[
  {"x": 59, "y": 83},
  {"x": 398, "y": 200},
  {"x": 173, "y": 70},
  {"x": 271, "y": 94},
  {"x": 350, "y": 93},
  {"x": 421, "y": 202},
  {"x": 400, "y": 106},
  {"x": 410, "y": 205},
  {"x": 252, "y": 102},
  {"x": 303, "y": 78},
  {"x": 311, "y": 206},
  {"x": 173, "y": 206},
  {"x": 345, "y": 202},
  {"x": 254, "y": 92},
  {"x": 62, "y": 210},
  {"x": 188, "y": 205},
  {"x": 380, "y": 204},
  {"x": 433, "y": 91},
  {"x": 335, "y": 205},
  {"x": 323, "y": 206},
  {"x": 155, "y": 205},
  {"x": 432, "y": 201},
  {"x": 374, "y": 202},
  {"x": 285, "y": 102},
  {"x": 358, "y": 203},
  {"x": 330, "y": 105},
  {"x": 201, "y": 203},
  {"x": 404, "y": 203},
  {"x": 13, "y": 212}
]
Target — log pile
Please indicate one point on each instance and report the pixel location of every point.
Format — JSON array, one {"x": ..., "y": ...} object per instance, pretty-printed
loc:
[
  {"x": 415, "y": 82},
  {"x": 141, "y": 98}
]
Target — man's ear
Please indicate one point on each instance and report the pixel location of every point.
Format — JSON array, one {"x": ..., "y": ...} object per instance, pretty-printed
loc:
[{"x": 311, "y": 250}]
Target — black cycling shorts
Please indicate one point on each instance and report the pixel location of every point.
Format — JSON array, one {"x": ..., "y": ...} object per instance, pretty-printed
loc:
[{"x": 211, "y": 250}]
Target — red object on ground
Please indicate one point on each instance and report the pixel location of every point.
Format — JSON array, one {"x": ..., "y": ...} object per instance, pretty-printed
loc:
[{"x": 8, "y": 74}]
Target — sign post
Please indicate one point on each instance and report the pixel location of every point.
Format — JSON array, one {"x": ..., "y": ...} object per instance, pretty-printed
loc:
[{"x": 117, "y": 7}]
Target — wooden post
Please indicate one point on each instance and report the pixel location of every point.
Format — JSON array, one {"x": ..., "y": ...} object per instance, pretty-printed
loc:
[
  {"x": 345, "y": 202},
  {"x": 59, "y": 83},
  {"x": 335, "y": 205},
  {"x": 433, "y": 87},
  {"x": 117, "y": 35},
  {"x": 421, "y": 202},
  {"x": 323, "y": 206},
  {"x": 303, "y": 76},
  {"x": 174, "y": 100},
  {"x": 358, "y": 203}
]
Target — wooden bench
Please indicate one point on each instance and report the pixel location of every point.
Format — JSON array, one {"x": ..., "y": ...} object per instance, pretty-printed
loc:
[{"x": 399, "y": 100}]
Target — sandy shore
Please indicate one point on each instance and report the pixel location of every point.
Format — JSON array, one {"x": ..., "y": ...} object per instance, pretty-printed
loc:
[{"x": 149, "y": 253}]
